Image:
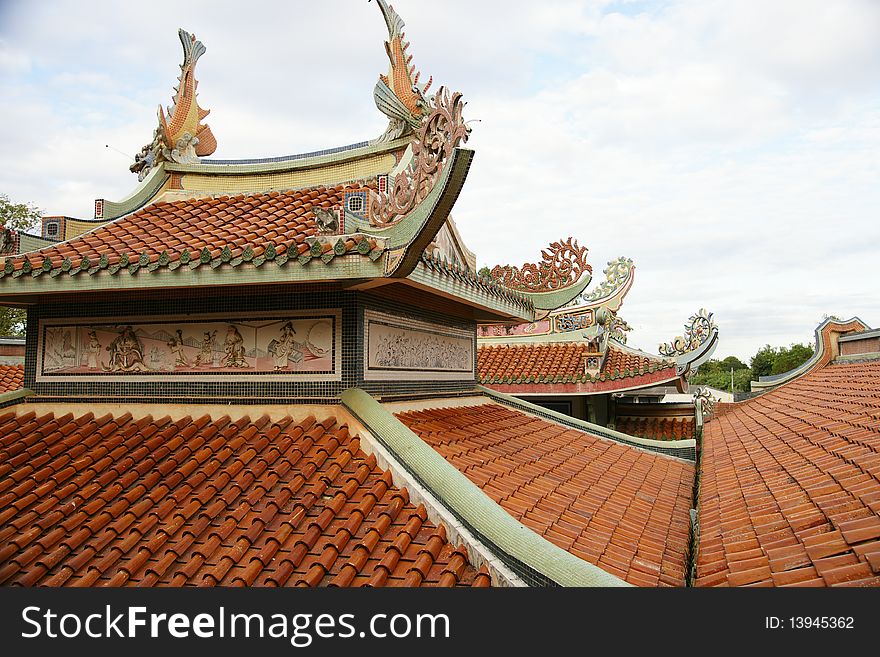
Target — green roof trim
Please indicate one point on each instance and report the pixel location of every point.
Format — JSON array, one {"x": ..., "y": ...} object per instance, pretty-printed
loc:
[
  {"x": 483, "y": 516},
  {"x": 683, "y": 449},
  {"x": 14, "y": 397},
  {"x": 558, "y": 298},
  {"x": 417, "y": 229},
  {"x": 142, "y": 194},
  {"x": 293, "y": 164}
]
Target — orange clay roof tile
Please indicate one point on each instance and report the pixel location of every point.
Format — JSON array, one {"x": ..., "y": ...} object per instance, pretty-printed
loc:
[
  {"x": 792, "y": 479},
  {"x": 11, "y": 378},
  {"x": 233, "y": 503},
  {"x": 587, "y": 495},
  {"x": 285, "y": 219},
  {"x": 564, "y": 362},
  {"x": 657, "y": 428}
]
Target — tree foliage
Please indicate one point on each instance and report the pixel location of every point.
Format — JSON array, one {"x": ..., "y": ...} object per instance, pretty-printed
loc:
[
  {"x": 12, "y": 321},
  {"x": 716, "y": 374},
  {"x": 18, "y": 217},
  {"x": 767, "y": 361}
]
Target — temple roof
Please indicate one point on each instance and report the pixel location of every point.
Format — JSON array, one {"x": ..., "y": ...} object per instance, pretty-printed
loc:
[
  {"x": 115, "y": 500},
  {"x": 188, "y": 211},
  {"x": 790, "y": 484},
  {"x": 560, "y": 367},
  {"x": 621, "y": 508},
  {"x": 284, "y": 220}
]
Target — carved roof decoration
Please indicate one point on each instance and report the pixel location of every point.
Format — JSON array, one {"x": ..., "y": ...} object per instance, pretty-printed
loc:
[
  {"x": 697, "y": 330},
  {"x": 704, "y": 398},
  {"x": 439, "y": 133},
  {"x": 582, "y": 311},
  {"x": 181, "y": 136},
  {"x": 617, "y": 274},
  {"x": 398, "y": 95},
  {"x": 618, "y": 328},
  {"x": 561, "y": 266},
  {"x": 697, "y": 344}
]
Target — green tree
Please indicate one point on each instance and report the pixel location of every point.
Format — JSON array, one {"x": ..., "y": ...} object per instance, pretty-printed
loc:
[
  {"x": 18, "y": 217},
  {"x": 762, "y": 362},
  {"x": 791, "y": 357},
  {"x": 733, "y": 363},
  {"x": 13, "y": 321},
  {"x": 716, "y": 374}
]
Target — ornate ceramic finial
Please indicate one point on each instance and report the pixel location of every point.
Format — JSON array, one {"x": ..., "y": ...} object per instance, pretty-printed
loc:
[
  {"x": 697, "y": 330},
  {"x": 706, "y": 401},
  {"x": 439, "y": 133},
  {"x": 618, "y": 328},
  {"x": 181, "y": 136},
  {"x": 399, "y": 95},
  {"x": 561, "y": 265},
  {"x": 616, "y": 274}
]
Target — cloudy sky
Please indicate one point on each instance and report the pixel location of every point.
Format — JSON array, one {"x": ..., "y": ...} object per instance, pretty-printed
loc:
[{"x": 731, "y": 149}]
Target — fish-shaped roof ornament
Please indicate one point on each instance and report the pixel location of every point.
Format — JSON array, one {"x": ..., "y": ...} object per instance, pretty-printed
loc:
[
  {"x": 399, "y": 95},
  {"x": 181, "y": 136}
]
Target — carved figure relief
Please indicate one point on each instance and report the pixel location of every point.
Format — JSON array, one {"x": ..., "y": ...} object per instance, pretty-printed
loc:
[
  {"x": 302, "y": 343},
  {"x": 411, "y": 349},
  {"x": 126, "y": 353}
]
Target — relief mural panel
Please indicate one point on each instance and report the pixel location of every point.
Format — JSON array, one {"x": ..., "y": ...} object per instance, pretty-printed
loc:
[
  {"x": 302, "y": 345},
  {"x": 412, "y": 350},
  {"x": 500, "y": 330}
]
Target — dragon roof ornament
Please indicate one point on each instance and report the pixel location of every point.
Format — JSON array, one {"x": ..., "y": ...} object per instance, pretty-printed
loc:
[
  {"x": 698, "y": 329},
  {"x": 180, "y": 136},
  {"x": 618, "y": 328},
  {"x": 562, "y": 265},
  {"x": 398, "y": 95},
  {"x": 440, "y": 131}
]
